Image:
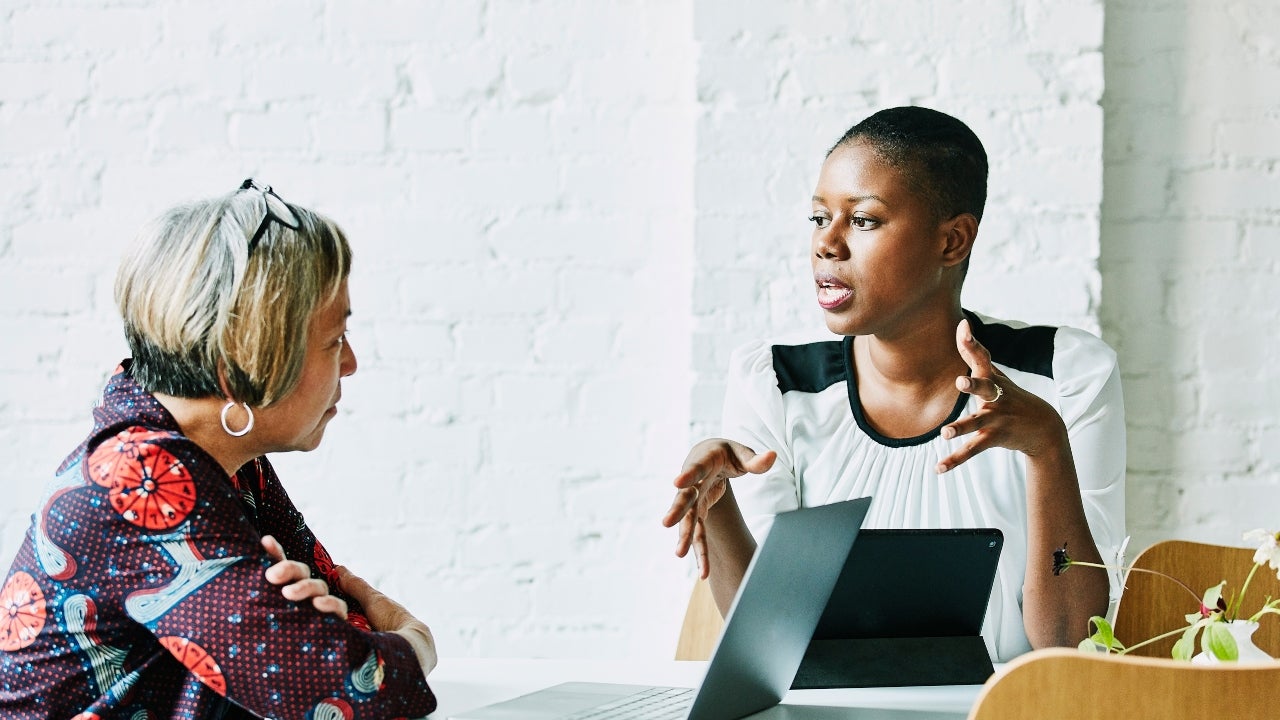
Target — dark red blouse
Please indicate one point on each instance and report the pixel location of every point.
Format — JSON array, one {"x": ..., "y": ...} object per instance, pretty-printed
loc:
[{"x": 139, "y": 593}]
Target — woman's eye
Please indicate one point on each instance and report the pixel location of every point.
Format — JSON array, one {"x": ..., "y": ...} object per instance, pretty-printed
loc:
[
  {"x": 862, "y": 223},
  {"x": 820, "y": 221}
]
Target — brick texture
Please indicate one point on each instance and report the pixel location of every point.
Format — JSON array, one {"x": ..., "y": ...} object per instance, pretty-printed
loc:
[
  {"x": 566, "y": 213},
  {"x": 516, "y": 179},
  {"x": 1189, "y": 250}
]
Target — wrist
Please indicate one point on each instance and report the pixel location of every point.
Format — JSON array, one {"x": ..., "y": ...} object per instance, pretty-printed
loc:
[
  {"x": 725, "y": 508},
  {"x": 419, "y": 637},
  {"x": 1055, "y": 444}
]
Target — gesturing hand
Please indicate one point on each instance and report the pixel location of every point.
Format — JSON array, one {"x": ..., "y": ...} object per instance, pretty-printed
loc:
[
  {"x": 1010, "y": 417},
  {"x": 298, "y": 583},
  {"x": 701, "y": 484}
]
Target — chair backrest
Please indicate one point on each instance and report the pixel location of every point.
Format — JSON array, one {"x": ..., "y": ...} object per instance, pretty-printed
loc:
[
  {"x": 702, "y": 625},
  {"x": 1066, "y": 684},
  {"x": 1152, "y": 605}
]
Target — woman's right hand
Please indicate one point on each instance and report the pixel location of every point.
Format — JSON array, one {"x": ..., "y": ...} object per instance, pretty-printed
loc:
[
  {"x": 387, "y": 615},
  {"x": 298, "y": 585},
  {"x": 700, "y": 485}
]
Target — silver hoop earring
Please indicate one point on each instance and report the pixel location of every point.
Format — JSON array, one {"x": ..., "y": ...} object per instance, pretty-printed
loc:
[{"x": 248, "y": 426}]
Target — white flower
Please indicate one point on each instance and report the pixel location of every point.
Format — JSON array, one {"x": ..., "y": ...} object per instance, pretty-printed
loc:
[{"x": 1268, "y": 547}]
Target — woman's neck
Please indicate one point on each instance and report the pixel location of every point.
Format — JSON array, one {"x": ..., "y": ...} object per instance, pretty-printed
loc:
[
  {"x": 200, "y": 420},
  {"x": 923, "y": 356},
  {"x": 906, "y": 384}
]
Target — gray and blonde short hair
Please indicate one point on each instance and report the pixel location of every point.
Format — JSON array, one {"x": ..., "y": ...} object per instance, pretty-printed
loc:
[{"x": 198, "y": 304}]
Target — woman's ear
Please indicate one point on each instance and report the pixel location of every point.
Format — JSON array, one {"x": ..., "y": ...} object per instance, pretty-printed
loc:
[
  {"x": 222, "y": 382},
  {"x": 959, "y": 233}
]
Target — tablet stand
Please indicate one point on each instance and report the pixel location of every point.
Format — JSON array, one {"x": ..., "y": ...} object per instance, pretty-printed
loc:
[{"x": 894, "y": 662}]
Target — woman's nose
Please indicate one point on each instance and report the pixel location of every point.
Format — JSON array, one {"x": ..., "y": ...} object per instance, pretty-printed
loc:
[
  {"x": 348, "y": 363},
  {"x": 829, "y": 244}
]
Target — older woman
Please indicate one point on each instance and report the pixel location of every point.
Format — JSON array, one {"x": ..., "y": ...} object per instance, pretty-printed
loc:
[{"x": 153, "y": 581}]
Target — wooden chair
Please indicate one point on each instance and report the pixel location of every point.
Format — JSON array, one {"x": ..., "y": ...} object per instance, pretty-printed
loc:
[
  {"x": 702, "y": 625},
  {"x": 1066, "y": 684},
  {"x": 1152, "y": 605}
]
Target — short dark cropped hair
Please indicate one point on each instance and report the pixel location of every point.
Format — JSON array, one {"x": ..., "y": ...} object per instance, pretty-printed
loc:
[{"x": 940, "y": 156}]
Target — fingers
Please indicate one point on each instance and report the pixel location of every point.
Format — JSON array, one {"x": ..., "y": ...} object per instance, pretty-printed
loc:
[
  {"x": 273, "y": 548},
  {"x": 700, "y": 549},
  {"x": 686, "y": 500},
  {"x": 343, "y": 575},
  {"x": 303, "y": 589},
  {"x": 750, "y": 462},
  {"x": 975, "y": 355},
  {"x": 959, "y": 457},
  {"x": 964, "y": 426},
  {"x": 983, "y": 379},
  {"x": 685, "y": 540},
  {"x": 330, "y": 605},
  {"x": 719, "y": 458},
  {"x": 283, "y": 570},
  {"x": 356, "y": 587},
  {"x": 298, "y": 583},
  {"x": 287, "y": 571},
  {"x": 985, "y": 389}
]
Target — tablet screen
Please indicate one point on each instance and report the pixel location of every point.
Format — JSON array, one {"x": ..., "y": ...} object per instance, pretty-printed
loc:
[{"x": 913, "y": 583}]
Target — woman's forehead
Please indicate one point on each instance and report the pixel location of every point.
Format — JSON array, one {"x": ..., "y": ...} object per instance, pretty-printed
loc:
[
  {"x": 334, "y": 312},
  {"x": 855, "y": 171}
]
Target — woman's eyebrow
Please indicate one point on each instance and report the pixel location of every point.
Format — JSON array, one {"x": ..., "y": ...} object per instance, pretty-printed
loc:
[{"x": 853, "y": 198}]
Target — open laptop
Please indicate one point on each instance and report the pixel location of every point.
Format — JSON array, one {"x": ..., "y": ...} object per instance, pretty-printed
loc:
[
  {"x": 768, "y": 627},
  {"x": 907, "y": 609}
]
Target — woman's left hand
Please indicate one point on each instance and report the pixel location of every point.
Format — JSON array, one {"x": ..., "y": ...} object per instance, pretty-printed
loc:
[
  {"x": 297, "y": 581},
  {"x": 1010, "y": 417}
]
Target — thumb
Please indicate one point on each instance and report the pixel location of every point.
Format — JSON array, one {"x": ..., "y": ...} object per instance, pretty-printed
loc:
[
  {"x": 972, "y": 351},
  {"x": 273, "y": 548},
  {"x": 752, "y": 462},
  {"x": 348, "y": 581}
]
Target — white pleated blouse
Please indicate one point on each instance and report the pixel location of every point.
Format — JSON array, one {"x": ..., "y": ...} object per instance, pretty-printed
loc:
[{"x": 798, "y": 400}]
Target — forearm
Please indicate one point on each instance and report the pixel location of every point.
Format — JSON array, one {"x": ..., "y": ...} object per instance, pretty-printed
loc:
[
  {"x": 1056, "y": 609},
  {"x": 730, "y": 546},
  {"x": 387, "y": 615}
]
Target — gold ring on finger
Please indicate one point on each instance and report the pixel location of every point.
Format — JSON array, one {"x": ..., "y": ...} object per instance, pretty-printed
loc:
[{"x": 999, "y": 394}]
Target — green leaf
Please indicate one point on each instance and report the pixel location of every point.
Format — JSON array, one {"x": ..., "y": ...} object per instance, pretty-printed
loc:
[
  {"x": 1104, "y": 635},
  {"x": 1218, "y": 642},
  {"x": 1186, "y": 645},
  {"x": 1213, "y": 595},
  {"x": 1090, "y": 646}
]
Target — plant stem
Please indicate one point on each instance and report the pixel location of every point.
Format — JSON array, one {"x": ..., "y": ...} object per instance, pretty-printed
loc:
[
  {"x": 1149, "y": 572},
  {"x": 1232, "y": 612},
  {"x": 1157, "y": 638}
]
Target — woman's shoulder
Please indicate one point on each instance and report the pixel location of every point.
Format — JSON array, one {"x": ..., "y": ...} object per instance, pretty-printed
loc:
[
  {"x": 788, "y": 355},
  {"x": 153, "y": 477},
  {"x": 1055, "y": 352}
]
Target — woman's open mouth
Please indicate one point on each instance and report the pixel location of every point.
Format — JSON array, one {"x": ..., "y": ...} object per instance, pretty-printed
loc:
[{"x": 831, "y": 292}]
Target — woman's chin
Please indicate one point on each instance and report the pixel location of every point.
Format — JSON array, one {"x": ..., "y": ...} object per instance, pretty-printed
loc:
[{"x": 840, "y": 324}]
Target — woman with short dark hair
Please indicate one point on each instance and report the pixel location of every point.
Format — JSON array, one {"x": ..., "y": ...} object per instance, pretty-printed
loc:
[{"x": 944, "y": 417}]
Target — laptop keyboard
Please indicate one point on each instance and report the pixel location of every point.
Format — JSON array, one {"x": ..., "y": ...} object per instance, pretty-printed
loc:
[{"x": 658, "y": 703}]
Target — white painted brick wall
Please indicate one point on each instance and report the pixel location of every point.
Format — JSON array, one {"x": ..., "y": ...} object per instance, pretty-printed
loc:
[
  {"x": 516, "y": 179},
  {"x": 566, "y": 213},
  {"x": 1189, "y": 251}
]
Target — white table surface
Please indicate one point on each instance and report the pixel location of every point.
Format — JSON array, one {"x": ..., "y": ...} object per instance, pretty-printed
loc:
[{"x": 462, "y": 684}]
